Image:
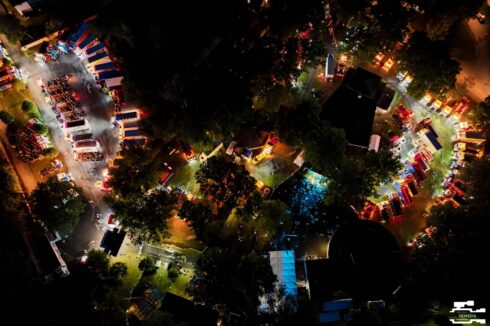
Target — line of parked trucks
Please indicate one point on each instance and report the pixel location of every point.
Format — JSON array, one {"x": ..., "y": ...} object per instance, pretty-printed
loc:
[{"x": 69, "y": 112}]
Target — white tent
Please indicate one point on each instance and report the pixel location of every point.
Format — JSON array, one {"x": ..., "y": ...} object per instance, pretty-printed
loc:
[
  {"x": 113, "y": 82},
  {"x": 283, "y": 266}
]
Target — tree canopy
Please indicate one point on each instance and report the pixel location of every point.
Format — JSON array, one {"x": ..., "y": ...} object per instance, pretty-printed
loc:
[
  {"x": 136, "y": 174},
  {"x": 10, "y": 199},
  {"x": 449, "y": 251},
  {"x": 439, "y": 71},
  {"x": 450, "y": 254},
  {"x": 481, "y": 116},
  {"x": 145, "y": 217},
  {"x": 475, "y": 177},
  {"x": 229, "y": 282},
  {"x": 147, "y": 266},
  {"x": 10, "y": 25},
  {"x": 198, "y": 214},
  {"x": 372, "y": 26},
  {"x": 302, "y": 126},
  {"x": 59, "y": 204},
  {"x": 224, "y": 184}
]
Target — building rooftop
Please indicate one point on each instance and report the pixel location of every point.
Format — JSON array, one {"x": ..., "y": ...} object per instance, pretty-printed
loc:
[
  {"x": 364, "y": 82},
  {"x": 283, "y": 266},
  {"x": 112, "y": 241},
  {"x": 433, "y": 140},
  {"x": 186, "y": 311},
  {"x": 386, "y": 98},
  {"x": 353, "y": 112},
  {"x": 474, "y": 134}
]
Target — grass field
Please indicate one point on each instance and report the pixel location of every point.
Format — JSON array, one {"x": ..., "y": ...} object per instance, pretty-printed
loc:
[{"x": 159, "y": 280}]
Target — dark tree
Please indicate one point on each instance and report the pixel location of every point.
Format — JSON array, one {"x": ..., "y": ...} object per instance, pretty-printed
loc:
[
  {"x": 273, "y": 216},
  {"x": 173, "y": 273},
  {"x": 59, "y": 204},
  {"x": 358, "y": 177},
  {"x": 198, "y": 214},
  {"x": 224, "y": 184},
  {"x": 145, "y": 216},
  {"x": 6, "y": 117},
  {"x": 373, "y": 26},
  {"x": 28, "y": 106},
  {"x": 439, "y": 71},
  {"x": 324, "y": 146},
  {"x": 481, "y": 116},
  {"x": 249, "y": 208},
  {"x": 230, "y": 283},
  {"x": 147, "y": 266},
  {"x": 40, "y": 128},
  {"x": 98, "y": 261},
  {"x": 10, "y": 199},
  {"x": 475, "y": 177},
  {"x": 137, "y": 173},
  {"x": 10, "y": 25},
  {"x": 440, "y": 15},
  {"x": 447, "y": 255},
  {"x": 382, "y": 165}
]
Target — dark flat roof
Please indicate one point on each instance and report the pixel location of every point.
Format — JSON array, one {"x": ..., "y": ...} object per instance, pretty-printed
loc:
[
  {"x": 112, "y": 241},
  {"x": 75, "y": 123},
  {"x": 130, "y": 124},
  {"x": 364, "y": 82},
  {"x": 474, "y": 134},
  {"x": 324, "y": 278},
  {"x": 132, "y": 133},
  {"x": 95, "y": 48},
  {"x": 185, "y": 310},
  {"x": 433, "y": 140},
  {"x": 126, "y": 115},
  {"x": 386, "y": 98},
  {"x": 369, "y": 258},
  {"x": 85, "y": 143},
  {"x": 97, "y": 56},
  {"x": 134, "y": 142},
  {"x": 353, "y": 112},
  {"x": 82, "y": 136}
]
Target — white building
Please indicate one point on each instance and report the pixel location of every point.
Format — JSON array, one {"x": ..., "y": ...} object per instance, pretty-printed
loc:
[{"x": 283, "y": 266}]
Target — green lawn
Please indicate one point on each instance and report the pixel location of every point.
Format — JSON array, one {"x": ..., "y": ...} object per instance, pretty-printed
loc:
[
  {"x": 121, "y": 293},
  {"x": 11, "y": 101},
  {"x": 159, "y": 280}
]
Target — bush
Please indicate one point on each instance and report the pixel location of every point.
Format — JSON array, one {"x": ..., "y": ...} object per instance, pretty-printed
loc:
[
  {"x": 12, "y": 28},
  {"x": 50, "y": 152},
  {"x": 40, "y": 128},
  {"x": 147, "y": 266},
  {"x": 7, "y": 62},
  {"x": 28, "y": 106},
  {"x": 173, "y": 273},
  {"x": 6, "y": 117}
]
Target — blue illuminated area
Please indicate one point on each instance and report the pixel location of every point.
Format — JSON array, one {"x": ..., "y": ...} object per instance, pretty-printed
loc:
[{"x": 309, "y": 193}]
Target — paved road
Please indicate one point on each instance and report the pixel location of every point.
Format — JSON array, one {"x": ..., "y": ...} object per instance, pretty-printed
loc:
[
  {"x": 98, "y": 107},
  {"x": 475, "y": 74}
]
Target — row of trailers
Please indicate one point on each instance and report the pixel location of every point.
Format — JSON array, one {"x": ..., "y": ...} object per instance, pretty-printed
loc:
[
  {"x": 93, "y": 53},
  {"x": 72, "y": 118},
  {"x": 95, "y": 56},
  {"x": 127, "y": 119},
  {"x": 415, "y": 172}
]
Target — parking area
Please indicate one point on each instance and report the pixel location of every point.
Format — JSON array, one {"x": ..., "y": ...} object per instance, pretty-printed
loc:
[{"x": 424, "y": 142}]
